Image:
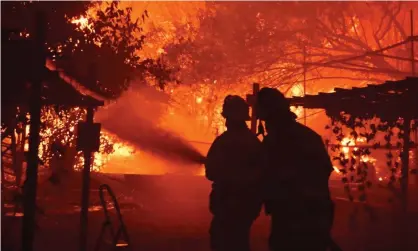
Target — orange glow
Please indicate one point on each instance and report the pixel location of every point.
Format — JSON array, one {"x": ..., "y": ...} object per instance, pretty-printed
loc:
[
  {"x": 24, "y": 34},
  {"x": 122, "y": 150},
  {"x": 199, "y": 100},
  {"x": 18, "y": 214},
  {"x": 336, "y": 169},
  {"x": 82, "y": 23},
  {"x": 201, "y": 172},
  {"x": 119, "y": 150},
  {"x": 56, "y": 126},
  {"x": 367, "y": 159},
  {"x": 348, "y": 141},
  {"x": 297, "y": 90},
  {"x": 202, "y": 99}
]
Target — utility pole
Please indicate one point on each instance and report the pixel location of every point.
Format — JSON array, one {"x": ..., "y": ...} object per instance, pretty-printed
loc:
[
  {"x": 412, "y": 45},
  {"x": 413, "y": 75},
  {"x": 85, "y": 188},
  {"x": 88, "y": 141},
  {"x": 30, "y": 186},
  {"x": 304, "y": 81}
]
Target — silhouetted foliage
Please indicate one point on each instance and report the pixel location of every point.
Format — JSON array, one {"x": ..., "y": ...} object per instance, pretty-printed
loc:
[
  {"x": 102, "y": 57},
  {"x": 265, "y": 40},
  {"x": 355, "y": 170},
  {"x": 20, "y": 15}
]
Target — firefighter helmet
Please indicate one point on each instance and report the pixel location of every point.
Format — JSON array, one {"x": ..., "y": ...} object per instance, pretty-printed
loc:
[
  {"x": 271, "y": 101},
  {"x": 235, "y": 108}
]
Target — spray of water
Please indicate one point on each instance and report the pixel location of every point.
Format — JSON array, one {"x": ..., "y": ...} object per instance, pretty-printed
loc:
[{"x": 135, "y": 116}]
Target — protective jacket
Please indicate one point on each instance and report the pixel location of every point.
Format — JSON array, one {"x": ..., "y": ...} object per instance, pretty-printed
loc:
[
  {"x": 296, "y": 191},
  {"x": 298, "y": 165},
  {"x": 233, "y": 165}
]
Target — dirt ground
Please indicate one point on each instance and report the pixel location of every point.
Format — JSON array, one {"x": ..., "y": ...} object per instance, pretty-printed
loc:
[{"x": 172, "y": 214}]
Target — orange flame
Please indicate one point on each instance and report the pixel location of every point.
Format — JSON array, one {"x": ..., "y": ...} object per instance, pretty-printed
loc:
[{"x": 82, "y": 23}]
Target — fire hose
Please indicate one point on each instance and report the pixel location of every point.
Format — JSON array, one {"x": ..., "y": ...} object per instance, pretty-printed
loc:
[{"x": 107, "y": 224}]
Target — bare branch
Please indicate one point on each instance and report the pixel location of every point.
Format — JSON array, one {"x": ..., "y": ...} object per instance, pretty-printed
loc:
[
  {"x": 387, "y": 13},
  {"x": 344, "y": 77},
  {"x": 382, "y": 21},
  {"x": 332, "y": 36},
  {"x": 376, "y": 39},
  {"x": 376, "y": 70},
  {"x": 393, "y": 16},
  {"x": 364, "y": 31},
  {"x": 355, "y": 28},
  {"x": 321, "y": 48}
]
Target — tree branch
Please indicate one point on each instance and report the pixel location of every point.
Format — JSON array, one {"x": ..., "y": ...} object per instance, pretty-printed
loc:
[
  {"x": 376, "y": 70},
  {"x": 395, "y": 20}
]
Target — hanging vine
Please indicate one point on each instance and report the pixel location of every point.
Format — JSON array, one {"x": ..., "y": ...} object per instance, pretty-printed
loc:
[{"x": 356, "y": 137}]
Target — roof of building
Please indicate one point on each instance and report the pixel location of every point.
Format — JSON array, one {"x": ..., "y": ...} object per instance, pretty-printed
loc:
[{"x": 392, "y": 98}]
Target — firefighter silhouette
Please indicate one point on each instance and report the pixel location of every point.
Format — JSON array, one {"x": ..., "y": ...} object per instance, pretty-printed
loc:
[
  {"x": 232, "y": 164},
  {"x": 296, "y": 180}
]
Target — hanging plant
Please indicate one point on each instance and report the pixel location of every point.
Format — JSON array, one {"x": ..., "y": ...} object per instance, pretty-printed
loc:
[{"x": 351, "y": 129}]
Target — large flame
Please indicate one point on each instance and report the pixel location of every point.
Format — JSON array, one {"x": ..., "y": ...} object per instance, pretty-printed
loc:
[
  {"x": 82, "y": 22},
  {"x": 347, "y": 145},
  {"x": 120, "y": 149}
]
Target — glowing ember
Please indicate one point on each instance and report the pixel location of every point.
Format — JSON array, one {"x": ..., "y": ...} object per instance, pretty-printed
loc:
[
  {"x": 24, "y": 34},
  {"x": 14, "y": 214}
]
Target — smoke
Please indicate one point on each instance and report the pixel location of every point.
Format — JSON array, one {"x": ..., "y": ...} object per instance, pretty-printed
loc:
[{"x": 135, "y": 118}]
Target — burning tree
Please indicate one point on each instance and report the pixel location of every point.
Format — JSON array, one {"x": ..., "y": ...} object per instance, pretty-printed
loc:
[
  {"x": 107, "y": 33},
  {"x": 250, "y": 39},
  {"x": 275, "y": 44},
  {"x": 97, "y": 44}
]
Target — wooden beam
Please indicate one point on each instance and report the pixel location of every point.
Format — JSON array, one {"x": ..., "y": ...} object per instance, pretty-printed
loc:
[
  {"x": 392, "y": 147},
  {"x": 371, "y": 94}
]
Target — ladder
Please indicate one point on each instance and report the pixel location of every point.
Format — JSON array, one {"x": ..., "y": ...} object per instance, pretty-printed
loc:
[{"x": 120, "y": 239}]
